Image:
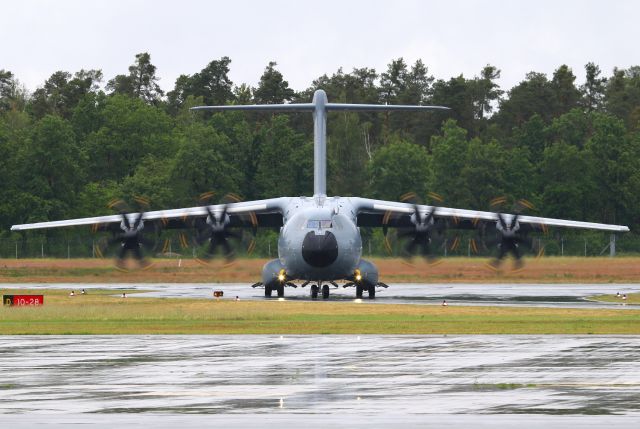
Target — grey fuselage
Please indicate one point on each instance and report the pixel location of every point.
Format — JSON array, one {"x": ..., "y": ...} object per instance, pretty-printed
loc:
[{"x": 319, "y": 239}]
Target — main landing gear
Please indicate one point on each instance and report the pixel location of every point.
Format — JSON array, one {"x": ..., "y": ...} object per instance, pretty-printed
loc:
[
  {"x": 269, "y": 289},
  {"x": 361, "y": 288},
  {"x": 320, "y": 289}
]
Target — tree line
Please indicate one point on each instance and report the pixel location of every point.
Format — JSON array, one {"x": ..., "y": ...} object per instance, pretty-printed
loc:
[{"x": 79, "y": 140}]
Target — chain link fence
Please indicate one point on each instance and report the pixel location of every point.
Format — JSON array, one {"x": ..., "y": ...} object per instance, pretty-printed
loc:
[{"x": 266, "y": 245}]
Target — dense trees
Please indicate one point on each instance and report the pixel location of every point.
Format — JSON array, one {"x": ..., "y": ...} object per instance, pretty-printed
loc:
[
  {"x": 272, "y": 89},
  {"x": 70, "y": 146},
  {"x": 212, "y": 84},
  {"x": 141, "y": 82}
]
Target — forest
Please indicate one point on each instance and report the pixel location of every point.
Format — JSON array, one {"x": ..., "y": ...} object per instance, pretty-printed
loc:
[{"x": 82, "y": 139}]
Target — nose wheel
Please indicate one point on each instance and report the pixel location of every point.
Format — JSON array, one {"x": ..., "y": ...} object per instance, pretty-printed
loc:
[{"x": 317, "y": 290}]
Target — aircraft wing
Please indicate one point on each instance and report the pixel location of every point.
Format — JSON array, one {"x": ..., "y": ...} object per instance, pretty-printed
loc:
[
  {"x": 377, "y": 213},
  {"x": 268, "y": 213}
]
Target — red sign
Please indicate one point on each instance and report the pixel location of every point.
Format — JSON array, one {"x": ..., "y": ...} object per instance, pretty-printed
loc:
[{"x": 20, "y": 300}]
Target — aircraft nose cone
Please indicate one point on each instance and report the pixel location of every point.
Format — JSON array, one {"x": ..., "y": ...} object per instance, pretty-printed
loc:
[{"x": 319, "y": 250}]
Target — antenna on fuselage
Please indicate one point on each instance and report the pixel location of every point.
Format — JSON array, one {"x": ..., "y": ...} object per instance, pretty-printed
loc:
[{"x": 319, "y": 107}]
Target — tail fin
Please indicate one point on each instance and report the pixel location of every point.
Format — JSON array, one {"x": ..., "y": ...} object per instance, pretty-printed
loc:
[{"x": 319, "y": 107}]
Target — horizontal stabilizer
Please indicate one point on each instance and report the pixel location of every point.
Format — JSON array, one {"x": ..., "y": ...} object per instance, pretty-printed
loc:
[
  {"x": 309, "y": 107},
  {"x": 382, "y": 107},
  {"x": 304, "y": 107}
]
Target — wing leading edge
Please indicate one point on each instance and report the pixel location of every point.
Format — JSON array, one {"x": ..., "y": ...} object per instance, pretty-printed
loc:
[
  {"x": 378, "y": 208},
  {"x": 273, "y": 205}
]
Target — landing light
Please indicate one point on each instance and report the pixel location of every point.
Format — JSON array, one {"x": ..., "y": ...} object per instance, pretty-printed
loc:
[
  {"x": 358, "y": 277},
  {"x": 281, "y": 277}
]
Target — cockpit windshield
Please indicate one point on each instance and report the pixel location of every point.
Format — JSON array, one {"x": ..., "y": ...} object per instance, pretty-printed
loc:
[{"x": 318, "y": 224}]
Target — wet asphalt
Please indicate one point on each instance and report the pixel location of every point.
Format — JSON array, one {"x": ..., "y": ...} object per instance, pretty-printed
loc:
[{"x": 346, "y": 381}]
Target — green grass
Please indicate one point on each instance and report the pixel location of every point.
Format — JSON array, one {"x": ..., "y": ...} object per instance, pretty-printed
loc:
[
  {"x": 632, "y": 298},
  {"x": 100, "y": 313}
]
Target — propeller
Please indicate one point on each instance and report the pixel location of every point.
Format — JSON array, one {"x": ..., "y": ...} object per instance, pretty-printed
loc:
[
  {"x": 506, "y": 235},
  {"x": 216, "y": 233},
  {"x": 133, "y": 237},
  {"x": 423, "y": 235}
]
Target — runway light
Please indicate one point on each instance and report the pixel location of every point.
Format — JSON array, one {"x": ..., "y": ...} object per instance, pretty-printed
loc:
[
  {"x": 357, "y": 300},
  {"x": 280, "y": 299}
]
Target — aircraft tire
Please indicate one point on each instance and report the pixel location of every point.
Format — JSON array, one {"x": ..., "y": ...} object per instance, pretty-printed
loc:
[
  {"x": 314, "y": 291},
  {"x": 267, "y": 291},
  {"x": 359, "y": 290},
  {"x": 280, "y": 290},
  {"x": 372, "y": 291},
  {"x": 325, "y": 291}
]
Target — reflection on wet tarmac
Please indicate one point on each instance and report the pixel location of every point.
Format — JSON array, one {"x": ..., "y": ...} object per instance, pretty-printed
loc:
[{"x": 547, "y": 375}]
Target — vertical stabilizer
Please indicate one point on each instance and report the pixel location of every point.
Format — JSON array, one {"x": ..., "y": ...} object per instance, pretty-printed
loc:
[{"x": 319, "y": 144}]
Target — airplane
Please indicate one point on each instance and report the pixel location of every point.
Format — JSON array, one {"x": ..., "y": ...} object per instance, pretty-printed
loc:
[{"x": 319, "y": 241}]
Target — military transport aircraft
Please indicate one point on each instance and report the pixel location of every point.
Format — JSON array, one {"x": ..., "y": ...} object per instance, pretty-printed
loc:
[{"x": 319, "y": 241}]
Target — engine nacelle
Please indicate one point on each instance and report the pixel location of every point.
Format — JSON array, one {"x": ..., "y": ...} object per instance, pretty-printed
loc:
[
  {"x": 271, "y": 272},
  {"x": 368, "y": 272}
]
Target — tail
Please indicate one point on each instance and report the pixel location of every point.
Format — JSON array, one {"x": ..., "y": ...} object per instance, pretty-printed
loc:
[{"x": 319, "y": 106}]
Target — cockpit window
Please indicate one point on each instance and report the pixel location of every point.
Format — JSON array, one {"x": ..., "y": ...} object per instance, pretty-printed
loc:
[{"x": 318, "y": 224}]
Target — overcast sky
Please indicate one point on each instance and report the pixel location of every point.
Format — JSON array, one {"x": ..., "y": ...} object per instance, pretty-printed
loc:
[{"x": 308, "y": 39}]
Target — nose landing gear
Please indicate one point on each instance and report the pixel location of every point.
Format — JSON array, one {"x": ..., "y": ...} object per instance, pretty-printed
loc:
[{"x": 316, "y": 290}]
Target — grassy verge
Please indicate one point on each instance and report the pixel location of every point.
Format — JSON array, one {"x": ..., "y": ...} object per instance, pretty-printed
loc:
[
  {"x": 392, "y": 270},
  {"x": 632, "y": 298},
  {"x": 100, "y": 313}
]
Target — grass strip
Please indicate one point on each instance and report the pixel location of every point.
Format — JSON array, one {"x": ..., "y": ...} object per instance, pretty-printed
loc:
[
  {"x": 392, "y": 270},
  {"x": 632, "y": 298},
  {"x": 102, "y": 313}
]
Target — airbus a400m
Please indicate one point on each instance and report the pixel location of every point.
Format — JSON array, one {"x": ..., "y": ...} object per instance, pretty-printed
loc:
[{"x": 319, "y": 241}]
